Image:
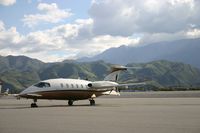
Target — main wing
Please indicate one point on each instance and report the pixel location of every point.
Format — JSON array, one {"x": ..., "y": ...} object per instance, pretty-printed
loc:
[{"x": 98, "y": 85}]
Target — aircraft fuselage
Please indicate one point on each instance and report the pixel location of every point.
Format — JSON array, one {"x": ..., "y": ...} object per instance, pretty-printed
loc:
[{"x": 64, "y": 89}]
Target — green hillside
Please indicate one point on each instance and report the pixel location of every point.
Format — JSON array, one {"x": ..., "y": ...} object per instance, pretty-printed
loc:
[
  {"x": 20, "y": 72},
  {"x": 165, "y": 74}
]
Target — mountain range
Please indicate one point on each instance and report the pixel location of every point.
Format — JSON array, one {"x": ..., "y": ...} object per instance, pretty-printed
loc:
[
  {"x": 186, "y": 51},
  {"x": 19, "y": 72}
]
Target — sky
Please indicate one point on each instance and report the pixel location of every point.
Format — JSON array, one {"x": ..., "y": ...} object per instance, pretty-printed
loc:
[{"x": 54, "y": 30}]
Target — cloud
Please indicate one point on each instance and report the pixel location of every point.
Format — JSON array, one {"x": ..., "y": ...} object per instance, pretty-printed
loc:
[
  {"x": 111, "y": 24},
  {"x": 195, "y": 33},
  {"x": 1, "y": 26},
  {"x": 60, "y": 42},
  {"x": 7, "y": 2},
  {"x": 9, "y": 37},
  {"x": 161, "y": 37},
  {"x": 126, "y": 17},
  {"x": 99, "y": 44},
  {"x": 71, "y": 41},
  {"x": 50, "y": 13}
]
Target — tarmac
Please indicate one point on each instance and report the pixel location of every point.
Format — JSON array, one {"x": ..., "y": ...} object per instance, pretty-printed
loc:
[{"x": 138, "y": 112}]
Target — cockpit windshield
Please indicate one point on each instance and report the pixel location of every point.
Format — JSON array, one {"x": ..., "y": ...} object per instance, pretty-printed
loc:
[{"x": 42, "y": 84}]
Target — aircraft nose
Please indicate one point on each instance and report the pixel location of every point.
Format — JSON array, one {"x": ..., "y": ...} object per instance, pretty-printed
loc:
[
  {"x": 22, "y": 93},
  {"x": 25, "y": 91}
]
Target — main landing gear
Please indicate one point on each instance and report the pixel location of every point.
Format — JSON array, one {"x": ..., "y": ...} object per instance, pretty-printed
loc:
[
  {"x": 70, "y": 102},
  {"x": 34, "y": 105},
  {"x": 92, "y": 102}
]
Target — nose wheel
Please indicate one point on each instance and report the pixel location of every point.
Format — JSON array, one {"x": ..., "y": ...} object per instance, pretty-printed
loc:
[{"x": 34, "y": 105}]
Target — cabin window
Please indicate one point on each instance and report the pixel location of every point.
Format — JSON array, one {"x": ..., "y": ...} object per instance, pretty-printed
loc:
[
  {"x": 61, "y": 85},
  {"x": 67, "y": 85},
  {"x": 42, "y": 84},
  {"x": 76, "y": 85},
  {"x": 81, "y": 86},
  {"x": 72, "y": 85}
]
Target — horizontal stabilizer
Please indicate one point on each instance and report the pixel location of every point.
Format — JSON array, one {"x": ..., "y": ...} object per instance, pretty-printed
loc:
[{"x": 114, "y": 74}]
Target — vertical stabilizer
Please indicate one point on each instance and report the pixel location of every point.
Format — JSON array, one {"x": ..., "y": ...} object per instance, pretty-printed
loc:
[{"x": 114, "y": 74}]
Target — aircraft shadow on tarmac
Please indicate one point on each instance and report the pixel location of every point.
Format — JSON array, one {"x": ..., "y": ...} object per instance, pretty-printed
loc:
[{"x": 16, "y": 106}]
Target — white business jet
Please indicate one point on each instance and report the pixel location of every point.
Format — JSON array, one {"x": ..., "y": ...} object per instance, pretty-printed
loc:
[{"x": 75, "y": 89}]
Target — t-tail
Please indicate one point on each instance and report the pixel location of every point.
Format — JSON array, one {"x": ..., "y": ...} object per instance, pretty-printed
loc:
[{"x": 114, "y": 74}]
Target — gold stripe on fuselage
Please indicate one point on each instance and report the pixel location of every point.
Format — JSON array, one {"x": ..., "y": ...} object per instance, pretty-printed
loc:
[{"x": 65, "y": 94}]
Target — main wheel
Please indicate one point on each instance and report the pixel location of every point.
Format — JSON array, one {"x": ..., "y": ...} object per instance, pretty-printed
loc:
[
  {"x": 92, "y": 102},
  {"x": 70, "y": 102},
  {"x": 34, "y": 105}
]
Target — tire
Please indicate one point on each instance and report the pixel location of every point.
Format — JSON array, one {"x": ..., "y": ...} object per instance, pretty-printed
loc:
[
  {"x": 92, "y": 102},
  {"x": 34, "y": 105},
  {"x": 70, "y": 102}
]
